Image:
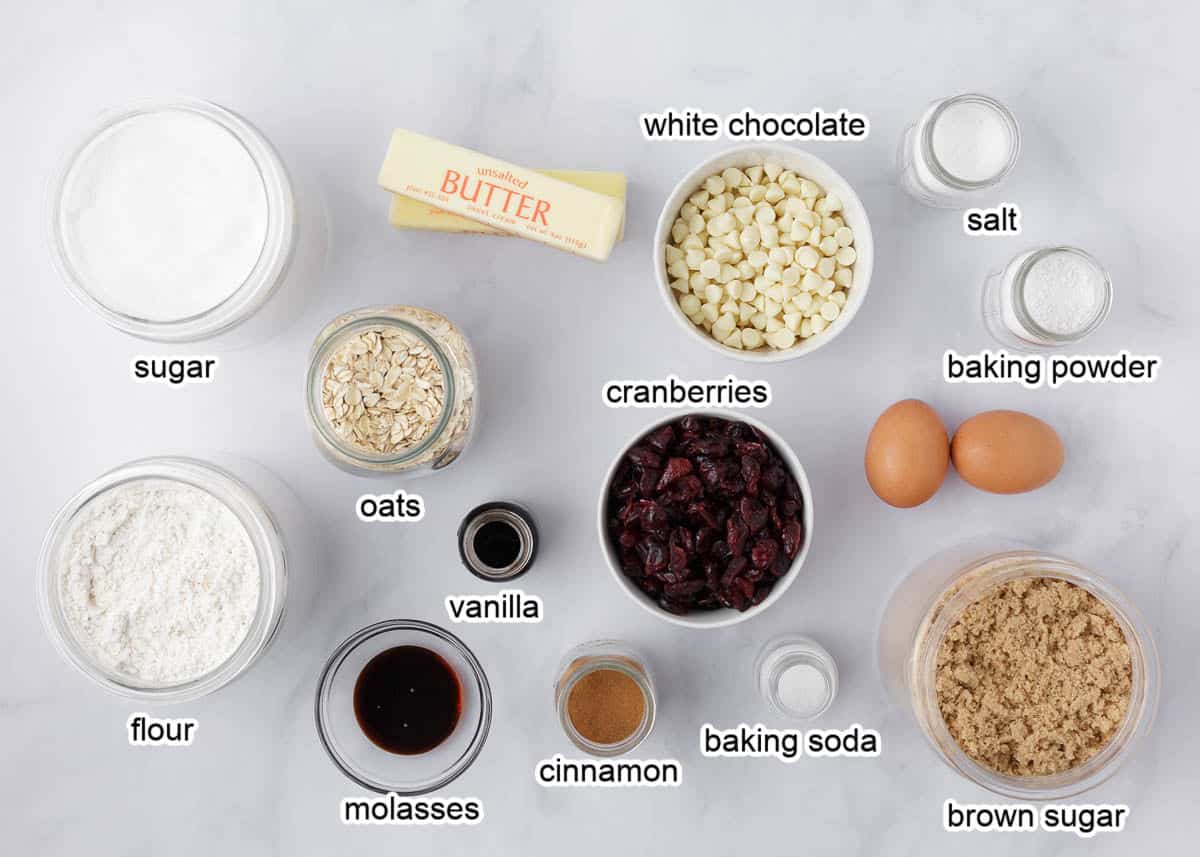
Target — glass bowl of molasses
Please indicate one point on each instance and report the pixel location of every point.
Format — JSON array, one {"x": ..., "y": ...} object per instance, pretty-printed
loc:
[{"x": 403, "y": 706}]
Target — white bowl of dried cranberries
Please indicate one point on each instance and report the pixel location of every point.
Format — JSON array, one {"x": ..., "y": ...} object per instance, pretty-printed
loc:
[
  {"x": 706, "y": 518},
  {"x": 763, "y": 253}
]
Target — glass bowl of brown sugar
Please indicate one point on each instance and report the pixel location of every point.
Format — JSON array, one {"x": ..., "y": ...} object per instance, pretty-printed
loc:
[{"x": 605, "y": 698}]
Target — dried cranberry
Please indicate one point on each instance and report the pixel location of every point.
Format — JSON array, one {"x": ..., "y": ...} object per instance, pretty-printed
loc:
[
  {"x": 736, "y": 533},
  {"x": 738, "y": 566},
  {"x": 644, "y": 456},
  {"x": 647, "y": 481},
  {"x": 793, "y": 538},
  {"x": 676, "y": 468},
  {"x": 754, "y": 514},
  {"x": 764, "y": 553},
  {"x": 773, "y": 478},
  {"x": 703, "y": 513},
  {"x": 683, "y": 590},
  {"x": 653, "y": 555},
  {"x": 661, "y": 439},
  {"x": 752, "y": 449},
  {"x": 710, "y": 472},
  {"x": 752, "y": 473},
  {"x": 653, "y": 517}
]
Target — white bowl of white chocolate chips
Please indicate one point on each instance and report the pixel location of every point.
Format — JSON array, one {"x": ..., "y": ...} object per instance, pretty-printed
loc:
[{"x": 763, "y": 253}]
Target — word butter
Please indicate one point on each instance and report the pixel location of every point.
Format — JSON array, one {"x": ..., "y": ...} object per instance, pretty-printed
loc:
[{"x": 514, "y": 199}]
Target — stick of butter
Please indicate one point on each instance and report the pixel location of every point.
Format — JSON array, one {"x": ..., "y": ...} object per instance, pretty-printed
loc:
[
  {"x": 405, "y": 213},
  {"x": 510, "y": 198}
]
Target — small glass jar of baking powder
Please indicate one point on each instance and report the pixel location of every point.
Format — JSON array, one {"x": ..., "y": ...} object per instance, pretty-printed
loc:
[
  {"x": 604, "y": 698},
  {"x": 391, "y": 389},
  {"x": 930, "y": 601},
  {"x": 960, "y": 147},
  {"x": 797, "y": 677},
  {"x": 1046, "y": 298},
  {"x": 174, "y": 220}
]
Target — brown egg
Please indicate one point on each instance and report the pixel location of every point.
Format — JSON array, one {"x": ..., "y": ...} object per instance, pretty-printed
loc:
[
  {"x": 908, "y": 453},
  {"x": 1006, "y": 452}
]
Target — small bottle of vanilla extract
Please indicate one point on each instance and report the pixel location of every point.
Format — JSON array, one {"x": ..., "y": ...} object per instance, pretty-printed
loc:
[{"x": 498, "y": 541}]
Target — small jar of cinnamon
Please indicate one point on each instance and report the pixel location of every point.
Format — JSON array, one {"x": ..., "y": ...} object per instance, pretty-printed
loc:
[{"x": 604, "y": 697}]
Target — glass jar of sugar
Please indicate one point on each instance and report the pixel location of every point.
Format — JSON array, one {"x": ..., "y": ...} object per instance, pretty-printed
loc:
[
  {"x": 391, "y": 389},
  {"x": 1046, "y": 298},
  {"x": 960, "y": 147},
  {"x": 174, "y": 220},
  {"x": 797, "y": 677}
]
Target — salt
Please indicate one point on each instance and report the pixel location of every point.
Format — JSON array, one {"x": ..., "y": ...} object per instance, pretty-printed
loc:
[
  {"x": 972, "y": 141},
  {"x": 163, "y": 215},
  {"x": 1063, "y": 291},
  {"x": 803, "y": 689}
]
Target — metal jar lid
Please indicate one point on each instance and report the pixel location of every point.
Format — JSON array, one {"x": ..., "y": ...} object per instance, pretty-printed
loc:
[{"x": 498, "y": 513}]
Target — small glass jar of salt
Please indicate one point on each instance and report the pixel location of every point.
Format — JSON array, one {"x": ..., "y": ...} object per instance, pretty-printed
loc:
[
  {"x": 797, "y": 677},
  {"x": 1046, "y": 298},
  {"x": 959, "y": 148}
]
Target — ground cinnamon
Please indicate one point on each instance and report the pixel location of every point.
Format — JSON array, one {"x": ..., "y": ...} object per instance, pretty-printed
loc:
[{"x": 606, "y": 706}]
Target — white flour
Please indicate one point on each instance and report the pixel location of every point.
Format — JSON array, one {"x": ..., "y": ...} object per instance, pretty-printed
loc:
[
  {"x": 164, "y": 215},
  {"x": 159, "y": 581}
]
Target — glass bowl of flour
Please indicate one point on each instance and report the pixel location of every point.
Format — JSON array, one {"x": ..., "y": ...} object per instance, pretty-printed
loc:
[
  {"x": 163, "y": 580},
  {"x": 173, "y": 220}
]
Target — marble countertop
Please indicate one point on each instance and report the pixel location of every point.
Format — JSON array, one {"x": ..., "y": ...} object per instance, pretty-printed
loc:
[{"x": 1101, "y": 94}]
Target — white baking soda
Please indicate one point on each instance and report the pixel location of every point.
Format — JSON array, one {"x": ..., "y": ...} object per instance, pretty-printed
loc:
[
  {"x": 803, "y": 689},
  {"x": 972, "y": 141},
  {"x": 163, "y": 215}
]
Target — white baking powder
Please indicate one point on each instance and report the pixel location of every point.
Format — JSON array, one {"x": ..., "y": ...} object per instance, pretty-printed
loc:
[
  {"x": 972, "y": 141},
  {"x": 163, "y": 215},
  {"x": 803, "y": 689},
  {"x": 159, "y": 581},
  {"x": 1063, "y": 291}
]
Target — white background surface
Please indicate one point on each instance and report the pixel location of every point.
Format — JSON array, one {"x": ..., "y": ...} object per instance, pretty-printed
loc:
[{"x": 1107, "y": 164}]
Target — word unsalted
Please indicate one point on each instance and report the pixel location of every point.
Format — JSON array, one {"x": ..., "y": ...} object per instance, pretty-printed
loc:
[
  {"x": 1034, "y": 370},
  {"x": 788, "y": 745}
]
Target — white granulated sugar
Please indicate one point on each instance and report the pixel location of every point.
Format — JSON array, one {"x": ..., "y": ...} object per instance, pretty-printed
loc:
[
  {"x": 1063, "y": 292},
  {"x": 803, "y": 689},
  {"x": 972, "y": 141},
  {"x": 159, "y": 581},
  {"x": 164, "y": 215}
]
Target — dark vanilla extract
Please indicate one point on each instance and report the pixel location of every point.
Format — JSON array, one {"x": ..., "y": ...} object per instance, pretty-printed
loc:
[
  {"x": 498, "y": 544},
  {"x": 407, "y": 700}
]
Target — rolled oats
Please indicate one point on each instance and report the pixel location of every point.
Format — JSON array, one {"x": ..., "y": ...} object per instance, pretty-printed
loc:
[{"x": 383, "y": 390}]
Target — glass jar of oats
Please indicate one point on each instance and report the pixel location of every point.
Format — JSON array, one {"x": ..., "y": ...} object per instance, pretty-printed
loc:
[
  {"x": 391, "y": 389},
  {"x": 1028, "y": 674}
]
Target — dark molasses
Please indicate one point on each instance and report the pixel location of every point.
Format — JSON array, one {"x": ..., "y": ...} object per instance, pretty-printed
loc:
[
  {"x": 407, "y": 700},
  {"x": 498, "y": 544}
]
